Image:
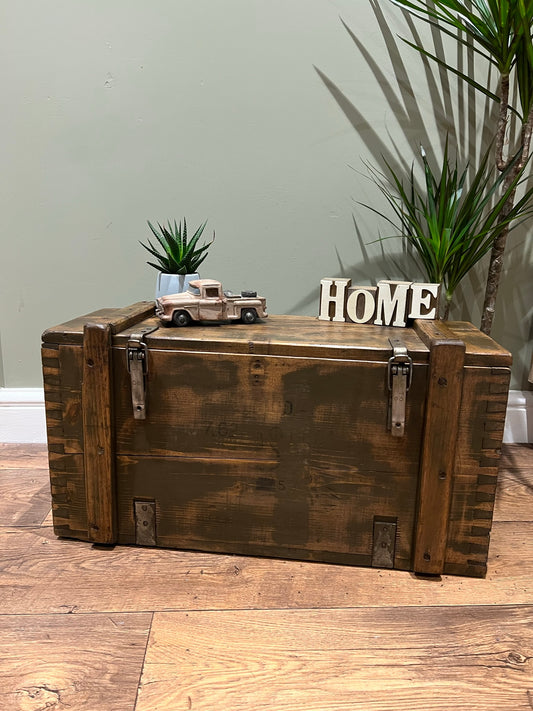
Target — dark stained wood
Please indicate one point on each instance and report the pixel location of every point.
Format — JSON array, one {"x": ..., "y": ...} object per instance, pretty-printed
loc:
[
  {"x": 120, "y": 318},
  {"x": 285, "y": 424},
  {"x": 340, "y": 659},
  {"x": 25, "y": 499},
  {"x": 82, "y": 662},
  {"x": 99, "y": 461},
  {"x": 477, "y": 453},
  {"x": 227, "y": 406},
  {"x": 255, "y": 507},
  {"x": 445, "y": 384},
  {"x": 301, "y": 336},
  {"x": 480, "y": 349}
]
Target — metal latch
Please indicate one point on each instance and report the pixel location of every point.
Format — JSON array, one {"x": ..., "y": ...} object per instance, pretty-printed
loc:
[
  {"x": 137, "y": 361},
  {"x": 399, "y": 376}
]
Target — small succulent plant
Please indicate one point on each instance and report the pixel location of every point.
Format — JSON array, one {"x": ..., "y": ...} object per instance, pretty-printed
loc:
[{"x": 178, "y": 253}]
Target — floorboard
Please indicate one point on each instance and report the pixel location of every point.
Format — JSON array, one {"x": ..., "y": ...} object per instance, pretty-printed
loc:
[
  {"x": 475, "y": 658},
  {"x": 82, "y": 662},
  {"x": 55, "y": 575},
  {"x": 88, "y": 628},
  {"x": 26, "y": 501}
]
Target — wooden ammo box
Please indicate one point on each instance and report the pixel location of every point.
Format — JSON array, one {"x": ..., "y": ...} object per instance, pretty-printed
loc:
[{"x": 294, "y": 437}]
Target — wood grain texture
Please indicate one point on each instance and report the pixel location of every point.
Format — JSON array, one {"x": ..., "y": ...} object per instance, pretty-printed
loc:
[
  {"x": 23, "y": 456},
  {"x": 445, "y": 384},
  {"x": 514, "y": 497},
  {"x": 341, "y": 659},
  {"x": 312, "y": 424},
  {"x": 516, "y": 456},
  {"x": 98, "y": 429},
  {"x": 25, "y": 499},
  {"x": 82, "y": 662},
  {"x": 120, "y": 318},
  {"x": 480, "y": 349},
  {"x": 477, "y": 456},
  {"x": 40, "y": 573},
  {"x": 234, "y": 632},
  {"x": 302, "y": 336}
]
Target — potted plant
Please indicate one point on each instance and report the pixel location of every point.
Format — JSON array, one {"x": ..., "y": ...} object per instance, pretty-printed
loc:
[
  {"x": 501, "y": 32},
  {"x": 453, "y": 219},
  {"x": 178, "y": 257}
]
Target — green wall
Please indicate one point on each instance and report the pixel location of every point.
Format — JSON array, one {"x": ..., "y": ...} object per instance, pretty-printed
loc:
[{"x": 254, "y": 114}]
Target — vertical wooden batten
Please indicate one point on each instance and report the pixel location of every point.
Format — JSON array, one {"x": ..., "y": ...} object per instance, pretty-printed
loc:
[
  {"x": 98, "y": 436},
  {"x": 443, "y": 404}
]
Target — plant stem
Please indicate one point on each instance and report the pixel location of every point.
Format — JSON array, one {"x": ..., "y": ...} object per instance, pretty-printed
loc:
[
  {"x": 447, "y": 304},
  {"x": 498, "y": 248},
  {"x": 503, "y": 116}
]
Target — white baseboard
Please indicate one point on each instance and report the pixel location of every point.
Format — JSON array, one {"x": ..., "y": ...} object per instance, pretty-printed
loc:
[
  {"x": 519, "y": 418},
  {"x": 22, "y": 416}
]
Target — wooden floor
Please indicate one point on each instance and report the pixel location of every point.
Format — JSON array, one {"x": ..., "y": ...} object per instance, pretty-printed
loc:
[{"x": 123, "y": 629}]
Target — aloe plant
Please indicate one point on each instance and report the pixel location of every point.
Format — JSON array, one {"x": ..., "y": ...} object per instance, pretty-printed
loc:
[
  {"x": 178, "y": 253},
  {"x": 501, "y": 32},
  {"x": 451, "y": 221}
]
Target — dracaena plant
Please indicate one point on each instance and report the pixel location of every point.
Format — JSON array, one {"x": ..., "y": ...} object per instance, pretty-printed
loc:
[
  {"x": 501, "y": 32},
  {"x": 451, "y": 219},
  {"x": 178, "y": 254}
]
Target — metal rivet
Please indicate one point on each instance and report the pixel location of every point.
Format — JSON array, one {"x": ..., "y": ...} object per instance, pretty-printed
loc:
[
  {"x": 442, "y": 382},
  {"x": 442, "y": 475}
]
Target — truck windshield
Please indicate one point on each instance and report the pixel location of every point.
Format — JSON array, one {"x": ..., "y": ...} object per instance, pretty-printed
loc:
[{"x": 194, "y": 290}]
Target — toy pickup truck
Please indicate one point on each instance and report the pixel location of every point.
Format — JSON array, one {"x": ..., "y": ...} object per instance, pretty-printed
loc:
[{"x": 205, "y": 300}]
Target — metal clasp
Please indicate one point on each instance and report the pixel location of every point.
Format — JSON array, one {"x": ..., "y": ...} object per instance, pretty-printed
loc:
[
  {"x": 399, "y": 377},
  {"x": 137, "y": 362}
]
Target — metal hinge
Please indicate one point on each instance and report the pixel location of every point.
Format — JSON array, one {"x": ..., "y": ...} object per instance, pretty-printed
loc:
[
  {"x": 145, "y": 517},
  {"x": 384, "y": 543},
  {"x": 137, "y": 361},
  {"x": 399, "y": 376}
]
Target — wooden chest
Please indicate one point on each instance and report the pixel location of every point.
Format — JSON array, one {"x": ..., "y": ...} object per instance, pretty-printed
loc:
[{"x": 291, "y": 438}]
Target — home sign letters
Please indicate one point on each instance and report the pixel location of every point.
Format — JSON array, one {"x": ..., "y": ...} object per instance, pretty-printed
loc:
[{"x": 390, "y": 303}]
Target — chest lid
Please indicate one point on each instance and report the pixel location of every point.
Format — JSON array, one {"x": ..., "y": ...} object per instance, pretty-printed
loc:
[{"x": 290, "y": 336}]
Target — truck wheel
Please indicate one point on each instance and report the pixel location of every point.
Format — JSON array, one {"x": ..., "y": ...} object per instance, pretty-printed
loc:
[
  {"x": 181, "y": 318},
  {"x": 248, "y": 315}
]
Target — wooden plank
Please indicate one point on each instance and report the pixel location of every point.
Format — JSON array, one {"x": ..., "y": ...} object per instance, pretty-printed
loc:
[
  {"x": 302, "y": 336},
  {"x": 312, "y": 510},
  {"x": 98, "y": 434},
  {"x": 82, "y": 662},
  {"x": 423, "y": 658},
  {"x": 517, "y": 455},
  {"x": 43, "y": 574},
  {"x": 120, "y": 318},
  {"x": 443, "y": 401},
  {"x": 476, "y": 466},
  {"x": 230, "y": 406},
  {"x": 23, "y": 456},
  {"x": 480, "y": 349},
  {"x": 25, "y": 499},
  {"x": 514, "y": 495}
]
